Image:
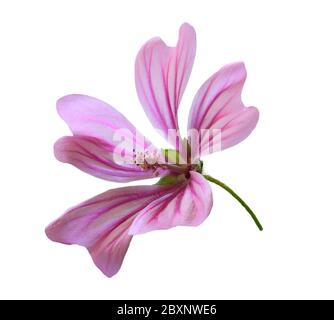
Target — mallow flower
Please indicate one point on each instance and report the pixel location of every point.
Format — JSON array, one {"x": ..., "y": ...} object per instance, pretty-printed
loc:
[{"x": 106, "y": 145}]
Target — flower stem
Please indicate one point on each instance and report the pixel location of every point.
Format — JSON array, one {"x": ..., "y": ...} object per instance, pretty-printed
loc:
[{"x": 242, "y": 202}]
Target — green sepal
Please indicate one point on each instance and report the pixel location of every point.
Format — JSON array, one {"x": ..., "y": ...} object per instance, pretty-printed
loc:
[
  {"x": 199, "y": 167},
  {"x": 167, "y": 180}
]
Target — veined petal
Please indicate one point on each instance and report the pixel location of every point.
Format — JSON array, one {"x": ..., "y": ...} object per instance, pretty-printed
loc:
[
  {"x": 108, "y": 251},
  {"x": 188, "y": 205},
  {"x": 217, "y": 112},
  {"x": 87, "y": 116},
  {"x": 100, "y": 159},
  {"x": 162, "y": 74},
  {"x": 101, "y": 224}
]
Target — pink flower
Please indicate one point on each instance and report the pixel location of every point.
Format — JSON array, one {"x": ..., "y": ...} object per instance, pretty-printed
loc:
[{"x": 218, "y": 119}]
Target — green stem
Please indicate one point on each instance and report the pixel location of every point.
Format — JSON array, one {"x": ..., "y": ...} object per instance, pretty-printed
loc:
[{"x": 242, "y": 202}]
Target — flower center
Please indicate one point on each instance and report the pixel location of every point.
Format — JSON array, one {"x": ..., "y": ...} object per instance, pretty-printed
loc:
[
  {"x": 147, "y": 159},
  {"x": 166, "y": 159}
]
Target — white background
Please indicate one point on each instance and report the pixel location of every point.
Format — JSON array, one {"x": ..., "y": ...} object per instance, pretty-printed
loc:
[{"x": 284, "y": 169}]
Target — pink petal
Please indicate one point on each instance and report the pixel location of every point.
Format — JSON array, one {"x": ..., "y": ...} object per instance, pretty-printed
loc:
[
  {"x": 218, "y": 108},
  {"x": 188, "y": 205},
  {"x": 99, "y": 159},
  {"x": 87, "y": 116},
  {"x": 162, "y": 74},
  {"x": 109, "y": 251},
  {"x": 101, "y": 224}
]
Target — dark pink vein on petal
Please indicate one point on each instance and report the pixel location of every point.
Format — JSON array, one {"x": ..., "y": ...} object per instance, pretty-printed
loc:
[
  {"x": 225, "y": 87},
  {"x": 204, "y": 96},
  {"x": 216, "y": 117},
  {"x": 167, "y": 97},
  {"x": 226, "y": 124},
  {"x": 153, "y": 93}
]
